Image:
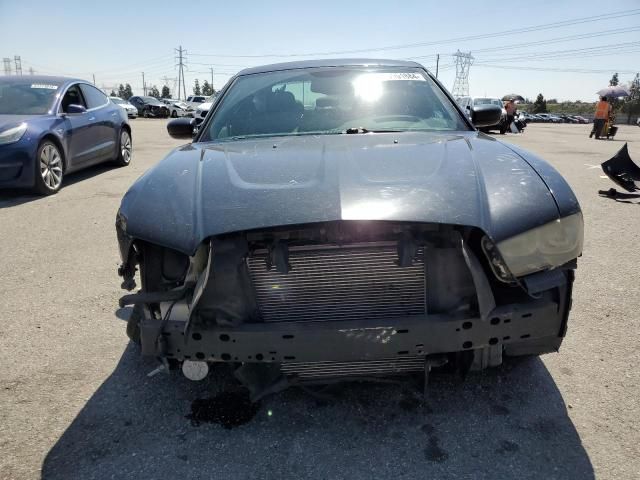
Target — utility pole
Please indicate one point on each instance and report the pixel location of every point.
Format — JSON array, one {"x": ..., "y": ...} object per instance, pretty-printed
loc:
[
  {"x": 94, "y": 78},
  {"x": 18, "y": 63},
  {"x": 437, "y": 64},
  {"x": 144, "y": 86},
  {"x": 31, "y": 71},
  {"x": 7, "y": 66},
  {"x": 181, "y": 59},
  {"x": 211, "y": 68}
]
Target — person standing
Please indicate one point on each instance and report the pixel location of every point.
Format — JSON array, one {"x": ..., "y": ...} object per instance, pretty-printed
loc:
[
  {"x": 510, "y": 107},
  {"x": 603, "y": 109}
]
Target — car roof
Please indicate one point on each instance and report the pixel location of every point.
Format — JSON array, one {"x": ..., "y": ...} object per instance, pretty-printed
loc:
[
  {"x": 336, "y": 62},
  {"x": 43, "y": 79}
]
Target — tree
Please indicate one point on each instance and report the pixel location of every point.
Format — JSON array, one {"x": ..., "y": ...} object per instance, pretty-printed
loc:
[
  {"x": 207, "y": 89},
  {"x": 196, "y": 88},
  {"x": 113, "y": 93},
  {"x": 121, "y": 92},
  {"x": 632, "y": 102},
  {"x": 614, "y": 80},
  {"x": 128, "y": 92},
  {"x": 166, "y": 93},
  {"x": 540, "y": 105},
  {"x": 154, "y": 92}
]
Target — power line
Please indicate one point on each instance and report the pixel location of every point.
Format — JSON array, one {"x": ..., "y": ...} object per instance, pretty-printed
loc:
[
  {"x": 560, "y": 70},
  {"x": 580, "y": 36},
  {"x": 585, "y": 52},
  {"x": 517, "y": 31}
]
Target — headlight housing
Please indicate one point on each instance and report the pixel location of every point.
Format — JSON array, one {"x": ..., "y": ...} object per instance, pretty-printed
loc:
[
  {"x": 13, "y": 134},
  {"x": 544, "y": 247}
]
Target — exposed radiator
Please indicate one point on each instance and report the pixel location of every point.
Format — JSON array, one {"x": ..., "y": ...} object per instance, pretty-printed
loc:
[
  {"x": 339, "y": 283},
  {"x": 353, "y": 369}
]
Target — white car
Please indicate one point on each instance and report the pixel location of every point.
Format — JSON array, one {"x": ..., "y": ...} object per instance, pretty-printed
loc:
[
  {"x": 201, "y": 111},
  {"x": 194, "y": 101},
  {"x": 177, "y": 108},
  {"x": 132, "y": 112}
]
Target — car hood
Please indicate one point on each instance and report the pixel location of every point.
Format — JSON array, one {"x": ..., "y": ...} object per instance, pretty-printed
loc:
[
  {"x": 205, "y": 189},
  {"x": 10, "y": 121}
]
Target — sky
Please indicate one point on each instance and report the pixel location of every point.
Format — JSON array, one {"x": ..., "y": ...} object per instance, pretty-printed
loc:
[{"x": 549, "y": 47}]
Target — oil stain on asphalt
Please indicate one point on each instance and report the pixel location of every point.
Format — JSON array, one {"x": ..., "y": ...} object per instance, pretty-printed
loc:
[{"x": 228, "y": 409}]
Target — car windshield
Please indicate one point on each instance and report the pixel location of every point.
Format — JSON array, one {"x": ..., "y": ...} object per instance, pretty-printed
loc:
[
  {"x": 27, "y": 97},
  {"x": 152, "y": 101},
  {"x": 117, "y": 100},
  {"x": 332, "y": 101}
]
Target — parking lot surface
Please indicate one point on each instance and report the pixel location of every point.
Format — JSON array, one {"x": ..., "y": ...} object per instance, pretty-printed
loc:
[{"x": 75, "y": 401}]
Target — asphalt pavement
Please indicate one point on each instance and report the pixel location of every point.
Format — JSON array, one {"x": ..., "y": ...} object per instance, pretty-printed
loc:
[{"x": 75, "y": 401}]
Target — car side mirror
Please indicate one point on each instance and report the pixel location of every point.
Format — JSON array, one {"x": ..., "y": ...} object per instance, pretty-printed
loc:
[
  {"x": 181, "y": 128},
  {"x": 486, "y": 115},
  {"x": 75, "y": 109}
]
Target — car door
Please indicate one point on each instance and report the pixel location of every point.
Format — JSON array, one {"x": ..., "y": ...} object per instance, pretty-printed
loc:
[
  {"x": 77, "y": 128},
  {"x": 103, "y": 118}
]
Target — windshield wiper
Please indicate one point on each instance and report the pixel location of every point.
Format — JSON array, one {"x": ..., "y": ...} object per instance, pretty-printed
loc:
[{"x": 354, "y": 130}]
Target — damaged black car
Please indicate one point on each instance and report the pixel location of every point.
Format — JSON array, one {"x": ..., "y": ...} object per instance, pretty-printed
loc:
[{"x": 343, "y": 219}]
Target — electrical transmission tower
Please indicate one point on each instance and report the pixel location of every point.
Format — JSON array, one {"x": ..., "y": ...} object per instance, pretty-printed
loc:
[
  {"x": 461, "y": 83},
  {"x": 180, "y": 58},
  {"x": 18, "y": 63},
  {"x": 7, "y": 66},
  {"x": 166, "y": 81}
]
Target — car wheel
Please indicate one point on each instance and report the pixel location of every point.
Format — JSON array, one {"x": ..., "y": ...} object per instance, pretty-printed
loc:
[
  {"x": 125, "y": 149},
  {"x": 174, "y": 114},
  {"x": 133, "y": 323},
  {"x": 49, "y": 168},
  {"x": 145, "y": 113}
]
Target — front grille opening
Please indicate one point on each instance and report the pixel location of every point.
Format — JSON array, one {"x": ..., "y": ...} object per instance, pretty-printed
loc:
[{"x": 331, "y": 282}]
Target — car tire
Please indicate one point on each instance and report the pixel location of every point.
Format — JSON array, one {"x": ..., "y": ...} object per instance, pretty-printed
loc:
[
  {"x": 174, "y": 114},
  {"x": 125, "y": 149},
  {"x": 145, "y": 113},
  {"x": 49, "y": 168},
  {"x": 133, "y": 323}
]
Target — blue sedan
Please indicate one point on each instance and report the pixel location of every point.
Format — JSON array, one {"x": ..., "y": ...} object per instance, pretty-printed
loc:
[{"x": 52, "y": 126}]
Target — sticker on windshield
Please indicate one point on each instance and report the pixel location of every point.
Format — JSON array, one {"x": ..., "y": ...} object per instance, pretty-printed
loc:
[
  {"x": 394, "y": 76},
  {"x": 44, "y": 85}
]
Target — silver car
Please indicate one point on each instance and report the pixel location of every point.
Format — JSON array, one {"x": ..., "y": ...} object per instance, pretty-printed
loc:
[{"x": 132, "y": 112}]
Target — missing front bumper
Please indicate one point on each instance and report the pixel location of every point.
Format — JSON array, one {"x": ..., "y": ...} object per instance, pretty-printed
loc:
[{"x": 539, "y": 322}]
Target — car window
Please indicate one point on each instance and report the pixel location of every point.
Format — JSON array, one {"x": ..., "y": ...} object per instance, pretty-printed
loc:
[
  {"x": 73, "y": 96},
  {"x": 332, "y": 100},
  {"x": 22, "y": 96},
  {"x": 94, "y": 97}
]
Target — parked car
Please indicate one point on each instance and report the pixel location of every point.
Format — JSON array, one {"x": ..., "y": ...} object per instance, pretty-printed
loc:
[
  {"x": 567, "y": 119},
  {"x": 132, "y": 112},
  {"x": 195, "y": 100},
  {"x": 548, "y": 118},
  {"x": 52, "y": 126},
  {"x": 472, "y": 105},
  {"x": 342, "y": 218},
  {"x": 201, "y": 112},
  {"x": 149, "y": 107},
  {"x": 177, "y": 108},
  {"x": 581, "y": 119}
]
